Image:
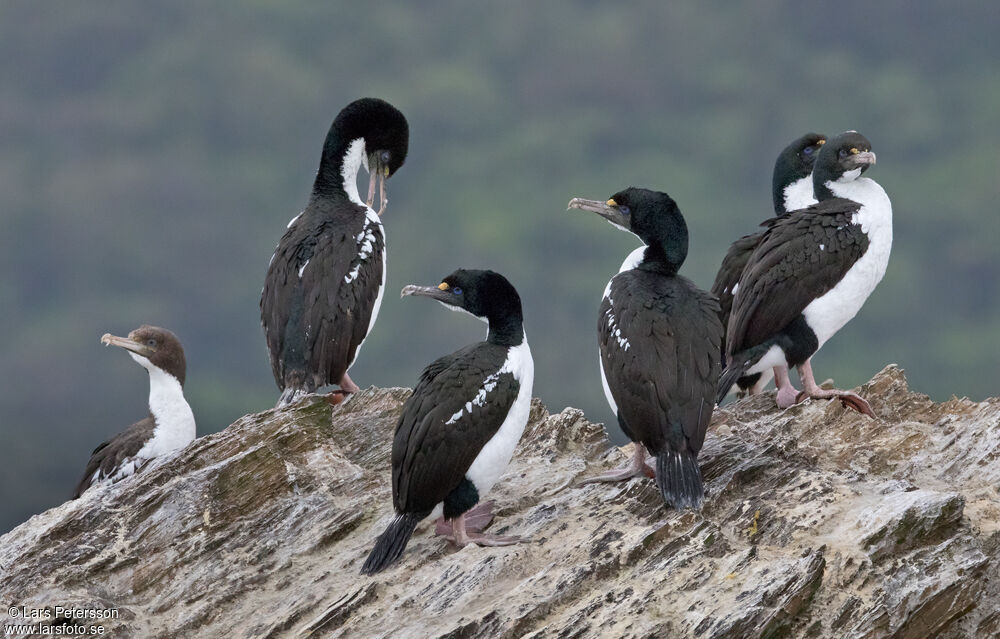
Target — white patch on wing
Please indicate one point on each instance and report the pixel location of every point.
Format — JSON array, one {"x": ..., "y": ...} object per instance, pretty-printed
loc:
[
  {"x": 799, "y": 194},
  {"x": 829, "y": 313},
  {"x": 736, "y": 287},
  {"x": 492, "y": 460},
  {"x": 613, "y": 326},
  {"x": 303, "y": 268},
  {"x": 293, "y": 220},
  {"x": 373, "y": 218},
  {"x": 366, "y": 244}
]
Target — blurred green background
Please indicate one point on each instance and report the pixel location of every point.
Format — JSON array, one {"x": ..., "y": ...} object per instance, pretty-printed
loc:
[{"x": 151, "y": 154}]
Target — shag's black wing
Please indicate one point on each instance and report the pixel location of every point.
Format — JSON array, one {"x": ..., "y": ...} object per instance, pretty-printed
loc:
[
  {"x": 729, "y": 273},
  {"x": 660, "y": 340},
  {"x": 319, "y": 295},
  {"x": 458, "y": 405},
  {"x": 801, "y": 256},
  {"x": 109, "y": 455}
]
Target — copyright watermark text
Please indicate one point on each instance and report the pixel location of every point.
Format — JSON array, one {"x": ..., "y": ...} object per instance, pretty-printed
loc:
[{"x": 57, "y": 621}]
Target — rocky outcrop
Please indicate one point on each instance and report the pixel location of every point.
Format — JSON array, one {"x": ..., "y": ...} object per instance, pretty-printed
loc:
[{"x": 819, "y": 522}]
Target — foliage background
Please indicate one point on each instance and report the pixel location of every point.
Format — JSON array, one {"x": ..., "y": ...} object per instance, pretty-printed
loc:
[{"x": 152, "y": 153}]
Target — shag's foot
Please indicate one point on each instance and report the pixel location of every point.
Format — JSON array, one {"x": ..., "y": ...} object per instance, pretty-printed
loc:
[
  {"x": 462, "y": 537},
  {"x": 638, "y": 468},
  {"x": 847, "y": 398},
  {"x": 788, "y": 396},
  {"x": 621, "y": 474},
  {"x": 336, "y": 397},
  {"x": 347, "y": 385},
  {"x": 476, "y": 520},
  {"x": 482, "y": 539}
]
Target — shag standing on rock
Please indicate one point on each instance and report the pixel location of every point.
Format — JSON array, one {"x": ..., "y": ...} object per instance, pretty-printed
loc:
[
  {"x": 324, "y": 284},
  {"x": 170, "y": 425},
  {"x": 660, "y": 343},
  {"x": 810, "y": 274},
  {"x": 459, "y": 428},
  {"x": 791, "y": 190}
]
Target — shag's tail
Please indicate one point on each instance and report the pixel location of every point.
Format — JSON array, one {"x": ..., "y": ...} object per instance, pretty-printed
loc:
[
  {"x": 679, "y": 479},
  {"x": 391, "y": 543},
  {"x": 729, "y": 376}
]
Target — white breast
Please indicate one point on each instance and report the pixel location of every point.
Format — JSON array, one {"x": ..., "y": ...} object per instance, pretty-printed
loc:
[
  {"x": 828, "y": 314},
  {"x": 495, "y": 455},
  {"x": 175, "y": 426}
]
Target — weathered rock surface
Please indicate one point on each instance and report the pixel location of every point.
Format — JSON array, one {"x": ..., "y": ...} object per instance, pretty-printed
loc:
[{"x": 819, "y": 523}]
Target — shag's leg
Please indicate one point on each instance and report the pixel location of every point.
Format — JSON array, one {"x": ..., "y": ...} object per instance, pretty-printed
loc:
[
  {"x": 787, "y": 394},
  {"x": 347, "y": 385},
  {"x": 761, "y": 384},
  {"x": 848, "y": 398},
  {"x": 476, "y": 520},
  {"x": 463, "y": 537},
  {"x": 637, "y": 468}
]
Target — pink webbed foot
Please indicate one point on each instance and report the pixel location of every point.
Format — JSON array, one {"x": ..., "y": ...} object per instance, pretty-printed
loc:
[
  {"x": 847, "y": 398},
  {"x": 476, "y": 520},
  {"x": 462, "y": 537},
  {"x": 637, "y": 468}
]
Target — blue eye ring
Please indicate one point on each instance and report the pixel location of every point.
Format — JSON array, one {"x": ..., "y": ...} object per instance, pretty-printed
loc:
[
  {"x": 808, "y": 150},
  {"x": 457, "y": 290},
  {"x": 385, "y": 157},
  {"x": 624, "y": 210},
  {"x": 842, "y": 153}
]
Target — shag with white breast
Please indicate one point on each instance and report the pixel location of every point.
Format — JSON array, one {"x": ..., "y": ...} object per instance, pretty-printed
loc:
[
  {"x": 791, "y": 190},
  {"x": 459, "y": 429},
  {"x": 170, "y": 425},
  {"x": 660, "y": 342},
  {"x": 324, "y": 284},
  {"x": 810, "y": 274}
]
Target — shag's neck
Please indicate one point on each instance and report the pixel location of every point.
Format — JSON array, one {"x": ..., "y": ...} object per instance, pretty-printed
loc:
[
  {"x": 795, "y": 196},
  {"x": 167, "y": 404},
  {"x": 507, "y": 329},
  {"x": 338, "y": 170}
]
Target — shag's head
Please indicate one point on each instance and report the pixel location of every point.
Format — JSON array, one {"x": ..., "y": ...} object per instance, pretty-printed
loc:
[
  {"x": 152, "y": 346},
  {"x": 794, "y": 163},
  {"x": 369, "y": 131},
  {"x": 651, "y": 215},
  {"x": 483, "y": 294},
  {"x": 842, "y": 159}
]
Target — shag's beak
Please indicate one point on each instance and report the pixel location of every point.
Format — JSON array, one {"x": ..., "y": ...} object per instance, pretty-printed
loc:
[
  {"x": 378, "y": 172},
  {"x": 608, "y": 210},
  {"x": 865, "y": 158},
  {"x": 433, "y": 292},
  {"x": 127, "y": 343}
]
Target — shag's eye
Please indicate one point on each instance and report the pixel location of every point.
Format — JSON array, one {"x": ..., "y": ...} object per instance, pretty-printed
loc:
[
  {"x": 151, "y": 342},
  {"x": 842, "y": 153},
  {"x": 457, "y": 290},
  {"x": 385, "y": 157},
  {"x": 808, "y": 150},
  {"x": 624, "y": 209}
]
